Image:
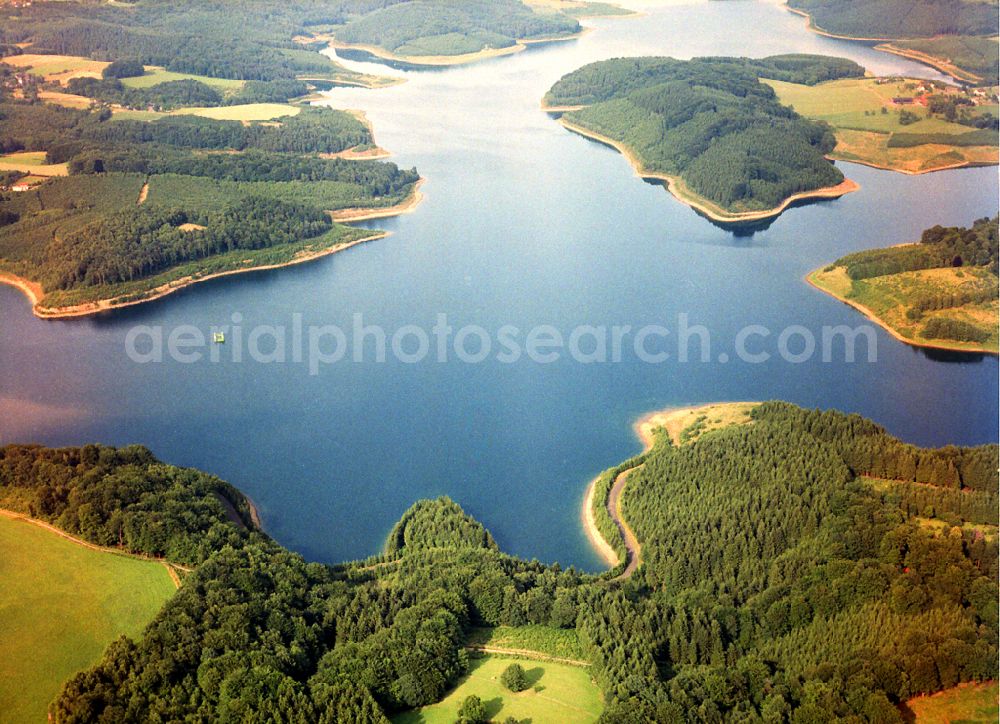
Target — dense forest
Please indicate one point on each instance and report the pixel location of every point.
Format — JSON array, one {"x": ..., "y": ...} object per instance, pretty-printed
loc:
[
  {"x": 151, "y": 201},
  {"x": 87, "y": 231},
  {"x": 902, "y": 18},
  {"x": 239, "y": 39},
  {"x": 711, "y": 122},
  {"x": 442, "y": 27},
  {"x": 256, "y": 39},
  {"x": 804, "y": 567}
]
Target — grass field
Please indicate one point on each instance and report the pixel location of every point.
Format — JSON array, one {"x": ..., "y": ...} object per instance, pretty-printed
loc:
[
  {"x": 32, "y": 162},
  {"x": 60, "y": 605},
  {"x": 558, "y": 694},
  {"x": 65, "y": 99},
  {"x": 155, "y": 74},
  {"x": 57, "y": 67},
  {"x": 247, "y": 112},
  {"x": 547, "y": 640},
  {"x": 888, "y": 297},
  {"x": 854, "y": 107},
  {"x": 966, "y": 704}
]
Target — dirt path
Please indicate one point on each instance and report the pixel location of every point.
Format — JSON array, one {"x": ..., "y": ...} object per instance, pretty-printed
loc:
[
  {"x": 173, "y": 574},
  {"x": 14, "y": 515},
  {"x": 632, "y": 547},
  {"x": 527, "y": 654},
  {"x": 673, "y": 421}
]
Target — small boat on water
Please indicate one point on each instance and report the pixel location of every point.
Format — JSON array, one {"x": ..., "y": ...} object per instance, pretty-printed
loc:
[{"x": 219, "y": 338}]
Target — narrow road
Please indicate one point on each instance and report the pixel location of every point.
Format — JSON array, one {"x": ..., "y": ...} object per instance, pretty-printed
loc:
[
  {"x": 14, "y": 515},
  {"x": 526, "y": 654},
  {"x": 632, "y": 547}
]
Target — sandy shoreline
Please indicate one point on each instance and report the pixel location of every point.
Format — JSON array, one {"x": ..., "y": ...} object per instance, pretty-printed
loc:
[
  {"x": 589, "y": 522},
  {"x": 873, "y": 317},
  {"x": 254, "y": 512},
  {"x": 103, "y": 305},
  {"x": 675, "y": 186},
  {"x": 35, "y": 293},
  {"x": 674, "y": 420},
  {"x": 407, "y": 205},
  {"x": 940, "y": 64},
  {"x": 871, "y": 164}
]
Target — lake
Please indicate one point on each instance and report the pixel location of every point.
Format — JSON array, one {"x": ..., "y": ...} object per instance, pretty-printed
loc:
[{"x": 523, "y": 224}]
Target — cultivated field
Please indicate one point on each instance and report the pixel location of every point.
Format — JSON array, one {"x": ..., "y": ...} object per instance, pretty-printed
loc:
[
  {"x": 155, "y": 74},
  {"x": 60, "y": 605},
  {"x": 57, "y": 67},
  {"x": 558, "y": 694},
  {"x": 247, "y": 112},
  {"x": 864, "y": 118},
  {"x": 32, "y": 162}
]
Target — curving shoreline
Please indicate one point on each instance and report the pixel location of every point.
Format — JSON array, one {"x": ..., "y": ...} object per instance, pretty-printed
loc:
[
  {"x": 104, "y": 305},
  {"x": 675, "y": 185},
  {"x": 811, "y": 25},
  {"x": 360, "y": 213},
  {"x": 443, "y": 61},
  {"x": 940, "y": 64},
  {"x": 871, "y": 315},
  {"x": 674, "y": 420},
  {"x": 34, "y": 292},
  {"x": 908, "y": 172},
  {"x": 589, "y": 522}
]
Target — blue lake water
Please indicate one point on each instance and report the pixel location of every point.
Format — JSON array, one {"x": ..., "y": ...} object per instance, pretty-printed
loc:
[{"x": 523, "y": 224}]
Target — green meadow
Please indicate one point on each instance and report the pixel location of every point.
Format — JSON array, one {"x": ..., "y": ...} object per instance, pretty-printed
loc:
[
  {"x": 154, "y": 75},
  {"x": 61, "y": 604},
  {"x": 557, "y": 694}
]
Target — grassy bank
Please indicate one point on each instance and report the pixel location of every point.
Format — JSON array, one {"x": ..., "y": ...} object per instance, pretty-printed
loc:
[
  {"x": 886, "y": 300},
  {"x": 60, "y": 606}
]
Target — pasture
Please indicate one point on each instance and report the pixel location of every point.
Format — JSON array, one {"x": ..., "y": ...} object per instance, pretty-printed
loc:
[
  {"x": 557, "y": 694},
  {"x": 61, "y": 604}
]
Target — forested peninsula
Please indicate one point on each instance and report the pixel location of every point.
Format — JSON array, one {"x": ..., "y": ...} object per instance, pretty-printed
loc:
[
  {"x": 710, "y": 129},
  {"x": 796, "y": 565},
  {"x": 152, "y": 145},
  {"x": 439, "y": 32},
  {"x": 957, "y": 37},
  {"x": 941, "y": 292}
]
